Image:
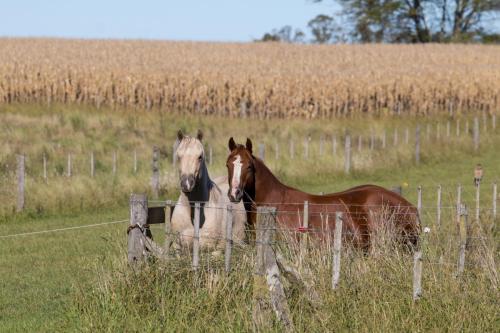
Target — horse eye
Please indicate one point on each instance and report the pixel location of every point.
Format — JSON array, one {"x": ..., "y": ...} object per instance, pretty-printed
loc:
[{"x": 200, "y": 158}]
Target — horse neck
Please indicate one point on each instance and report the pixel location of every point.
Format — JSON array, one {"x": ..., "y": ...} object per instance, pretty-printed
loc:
[
  {"x": 266, "y": 183},
  {"x": 201, "y": 191}
]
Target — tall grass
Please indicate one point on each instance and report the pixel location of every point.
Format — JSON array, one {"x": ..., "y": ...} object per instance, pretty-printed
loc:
[
  {"x": 55, "y": 132},
  {"x": 374, "y": 295}
]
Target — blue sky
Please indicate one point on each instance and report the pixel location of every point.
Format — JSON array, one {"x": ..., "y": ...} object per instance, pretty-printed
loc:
[{"x": 207, "y": 20}]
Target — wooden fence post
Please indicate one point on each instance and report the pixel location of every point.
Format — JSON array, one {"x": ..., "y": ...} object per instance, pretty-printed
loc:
[
  {"x": 478, "y": 208},
  {"x": 155, "y": 179},
  {"x": 304, "y": 236},
  {"x": 466, "y": 127},
  {"x": 384, "y": 137},
  {"x": 463, "y": 238},
  {"x": 292, "y": 149},
  {"x": 458, "y": 127},
  {"x": 438, "y": 212},
  {"x": 321, "y": 145},
  {"x": 262, "y": 151},
  {"x": 417, "y": 145},
  {"x": 138, "y": 218},
  {"x": 267, "y": 273},
  {"x": 428, "y": 133},
  {"x": 347, "y": 155},
  {"x": 448, "y": 129},
  {"x": 196, "y": 236},
  {"x": 485, "y": 122},
  {"x": 229, "y": 238},
  {"x": 459, "y": 202},
  {"x": 334, "y": 145},
  {"x": 494, "y": 121},
  {"x": 306, "y": 148},
  {"x": 419, "y": 201},
  {"x": 174, "y": 153},
  {"x": 276, "y": 151},
  {"x": 135, "y": 161},
  {"x": 20, "y": 182},
  {"x": 92, "y": 165},
  {"x": 438, "y": 131},
  {"x": 68, "y": 174},
  {"x": 337, "y": 246},
  {"x": 395, "y": 137},
  {"x": 372, "y": 140},
  {"x": 495, "y": 196},
  {"x": 417, "y": 275},
  {"x": 360, "y": 143},
  {"x": 44, "y": 168},
  {"x": 407, "y": 135},
  {"x": 476, "y": 134},
  {"x": 114, "y": 163}
]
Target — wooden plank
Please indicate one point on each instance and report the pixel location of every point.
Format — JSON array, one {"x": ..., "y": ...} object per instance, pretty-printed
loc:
[
  {"x": 337, "y": 246},
  {"x": 156, "y": 215}
]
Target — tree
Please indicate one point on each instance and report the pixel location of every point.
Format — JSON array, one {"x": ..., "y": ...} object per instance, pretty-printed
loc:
[
  {"x": 322, "y": 28},
  {"x": 284, "y": 34},
  {"x": 419, "y": 21}
]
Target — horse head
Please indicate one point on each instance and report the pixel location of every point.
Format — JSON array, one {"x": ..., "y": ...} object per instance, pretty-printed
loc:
[
  {"x": 240, "y": 169},
  {"x": 190, "y": 160}
]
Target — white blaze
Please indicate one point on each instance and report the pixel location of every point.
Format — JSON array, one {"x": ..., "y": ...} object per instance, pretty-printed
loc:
[{"x": 235, "y": 182}]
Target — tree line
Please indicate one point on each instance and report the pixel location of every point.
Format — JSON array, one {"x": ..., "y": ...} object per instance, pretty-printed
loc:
[{"x": 399, "y": 21}]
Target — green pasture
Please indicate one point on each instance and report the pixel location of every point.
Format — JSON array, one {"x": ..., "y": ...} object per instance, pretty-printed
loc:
[{"x": 78, "y": 280}]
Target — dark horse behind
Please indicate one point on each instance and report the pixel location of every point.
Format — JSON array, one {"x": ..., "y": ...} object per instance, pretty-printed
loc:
[{"x": 367, "y": 208}]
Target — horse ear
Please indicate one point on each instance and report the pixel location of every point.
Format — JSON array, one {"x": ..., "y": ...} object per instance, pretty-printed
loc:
[
  {"x": 180, "y": 135},
  {"x": 199, "y": 135},
  {"x": 249, "y": 145},
  {"x": 231, "y": 144}
]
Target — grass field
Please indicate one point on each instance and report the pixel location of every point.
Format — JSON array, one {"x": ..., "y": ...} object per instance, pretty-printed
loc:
[{"x": 77, "y": 280}]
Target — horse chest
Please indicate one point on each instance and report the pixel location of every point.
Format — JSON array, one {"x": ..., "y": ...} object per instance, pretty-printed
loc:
[{"x": 202, "y": 214}]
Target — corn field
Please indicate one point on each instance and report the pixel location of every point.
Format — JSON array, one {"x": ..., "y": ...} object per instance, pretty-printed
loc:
[{"x": 257, "y": 80}]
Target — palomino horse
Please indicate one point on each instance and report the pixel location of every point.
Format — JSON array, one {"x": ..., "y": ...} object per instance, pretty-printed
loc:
[
  {"x": 196, "y": 186},
  {"x": 366, "y": 208}
]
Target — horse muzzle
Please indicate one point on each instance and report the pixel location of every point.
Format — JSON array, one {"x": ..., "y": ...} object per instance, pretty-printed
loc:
[
  {"x": 235, "y": 195},
  {"x": 187, "y": 183}
]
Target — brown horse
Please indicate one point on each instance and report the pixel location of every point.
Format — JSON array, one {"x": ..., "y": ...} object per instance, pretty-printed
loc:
[{"x": 366, "y": 208}]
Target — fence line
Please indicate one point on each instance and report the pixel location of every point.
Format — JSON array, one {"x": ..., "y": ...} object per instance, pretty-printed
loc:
[{"x": 61, "y": 229}]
